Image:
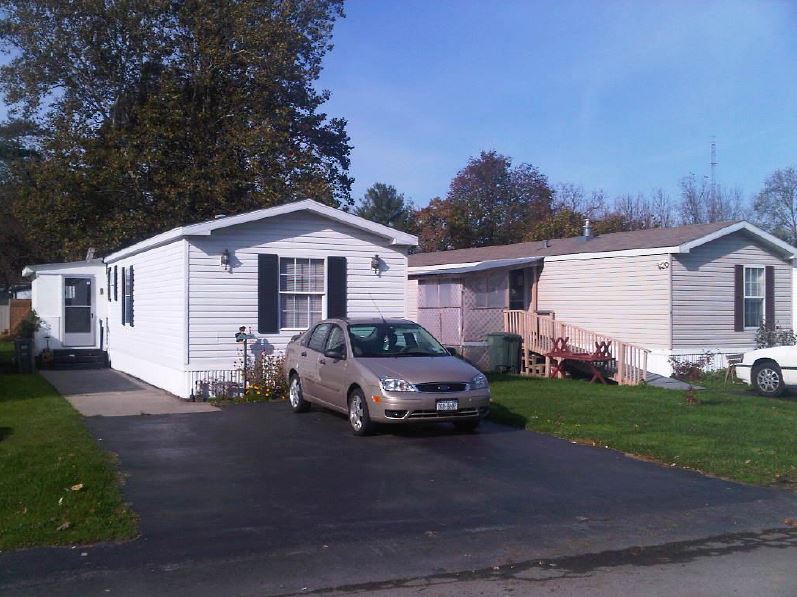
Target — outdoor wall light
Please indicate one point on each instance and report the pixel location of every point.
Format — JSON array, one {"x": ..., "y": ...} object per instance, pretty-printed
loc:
[
  {"x": 225, "y": 259},
  {"x": 376, "y": 263}
]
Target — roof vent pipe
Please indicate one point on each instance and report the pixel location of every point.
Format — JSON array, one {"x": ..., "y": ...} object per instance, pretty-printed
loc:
[{"x": 587, "y": 229}]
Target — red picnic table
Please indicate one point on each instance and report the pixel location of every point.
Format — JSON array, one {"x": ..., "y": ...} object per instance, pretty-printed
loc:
[{"x": 562, "y": 353}]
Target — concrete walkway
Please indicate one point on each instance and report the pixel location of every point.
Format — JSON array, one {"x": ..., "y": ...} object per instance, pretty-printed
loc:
[
  {"x": 109, "y": 393},
  {"x": 668, "y": 383}
]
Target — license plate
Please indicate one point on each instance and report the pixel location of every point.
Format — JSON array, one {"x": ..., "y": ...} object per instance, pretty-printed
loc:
[{"x": 447, "y": 405}]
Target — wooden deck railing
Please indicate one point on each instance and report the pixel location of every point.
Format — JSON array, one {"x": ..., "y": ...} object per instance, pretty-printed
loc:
[{"x": 540, "y": 331}]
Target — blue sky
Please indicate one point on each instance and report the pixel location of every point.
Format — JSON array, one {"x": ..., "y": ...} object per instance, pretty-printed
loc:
[{"x": 619, "y": 95}]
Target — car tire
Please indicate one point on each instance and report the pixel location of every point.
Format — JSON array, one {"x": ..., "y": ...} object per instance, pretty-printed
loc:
[
  {"x": 359, "y": 419},
  {"x": 467, "y": 426},
  {"x": 767, "y": 379},
  {"x": 296, "y": 396}
]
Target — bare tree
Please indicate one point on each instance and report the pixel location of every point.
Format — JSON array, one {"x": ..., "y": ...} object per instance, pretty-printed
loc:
[
  {"x": 702, "y": 202},
  {"x": 776, "y": 205},
  {"x": 573, "y": 198},
  {"x": 641, "y": 211},
  {"x": 661, "y": 209}
]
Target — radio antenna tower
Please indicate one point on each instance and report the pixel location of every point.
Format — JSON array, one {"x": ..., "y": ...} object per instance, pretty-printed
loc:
[{"x": 713, "y": 165}]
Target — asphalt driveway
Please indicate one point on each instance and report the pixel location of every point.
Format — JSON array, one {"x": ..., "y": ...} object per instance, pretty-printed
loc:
[{"x": 257, "y": 500}]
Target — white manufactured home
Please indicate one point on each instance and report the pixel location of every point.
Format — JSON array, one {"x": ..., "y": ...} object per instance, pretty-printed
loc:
[
  {"x": 167, "y": 309},
  {"x": 654, "y": 293}
]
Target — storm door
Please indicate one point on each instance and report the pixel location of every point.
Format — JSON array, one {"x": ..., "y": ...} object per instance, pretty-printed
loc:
[{"x": 78, "y": 312}]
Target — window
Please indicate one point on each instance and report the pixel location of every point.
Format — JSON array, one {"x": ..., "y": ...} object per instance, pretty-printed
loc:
[
  {"x": 440, "y": 294},
  {"x": 301, "y": 291},
  {"x": 518, "y": 290},
  {"x": 336, "y": 341},
  {"x": 318, "y": 337},
  {"x": 490, "y": 290},
  {"x": 127, "y": 295},
  {"x": 753, "y": 296},
  {"x": 393, "y": 340}
]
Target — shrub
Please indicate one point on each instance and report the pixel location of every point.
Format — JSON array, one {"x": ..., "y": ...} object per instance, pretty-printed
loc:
[
  {"x": 266, "y": 377},
  {"x": 690, "y": 367},
  {"x": 28, "y": 327},
  {"x": 769, "y": 335}
]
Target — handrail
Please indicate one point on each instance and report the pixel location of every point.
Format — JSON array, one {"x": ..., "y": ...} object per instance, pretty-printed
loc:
[{"x": 539, "y": 332}]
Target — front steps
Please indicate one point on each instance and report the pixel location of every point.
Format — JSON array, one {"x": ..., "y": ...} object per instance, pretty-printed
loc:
[{"x": 76, "y": 358}]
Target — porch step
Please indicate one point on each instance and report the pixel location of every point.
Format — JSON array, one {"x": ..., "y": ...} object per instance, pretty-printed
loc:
[{"x": 79, "y": 358}]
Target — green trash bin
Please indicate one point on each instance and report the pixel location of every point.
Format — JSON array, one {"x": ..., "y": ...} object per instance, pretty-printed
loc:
[{"x": 504, "y": 352}]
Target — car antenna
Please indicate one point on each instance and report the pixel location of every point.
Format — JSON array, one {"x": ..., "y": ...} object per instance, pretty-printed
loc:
[{"x": 376, "y": 306}]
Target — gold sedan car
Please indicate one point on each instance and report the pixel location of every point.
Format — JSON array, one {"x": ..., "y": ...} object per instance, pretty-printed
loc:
[{"x": 383, "y": 371}]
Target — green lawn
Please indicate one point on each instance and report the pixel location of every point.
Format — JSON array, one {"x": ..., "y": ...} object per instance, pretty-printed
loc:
[
  {"x": 56, "y": 485},
  {"x": 731, "y": 432},
  {"x": 6, "y": 354}
]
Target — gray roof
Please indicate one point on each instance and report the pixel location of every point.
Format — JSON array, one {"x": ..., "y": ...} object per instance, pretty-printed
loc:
[{"x": 616, "y": 241}]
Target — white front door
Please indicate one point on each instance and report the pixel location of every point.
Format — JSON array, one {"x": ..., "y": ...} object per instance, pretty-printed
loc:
[{"x": 79, "y": 311}]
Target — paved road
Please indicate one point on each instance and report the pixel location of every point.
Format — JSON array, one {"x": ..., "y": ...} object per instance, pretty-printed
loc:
[
  {"x": 109, "y": 393},
  {"x": 257, "y": 501}
]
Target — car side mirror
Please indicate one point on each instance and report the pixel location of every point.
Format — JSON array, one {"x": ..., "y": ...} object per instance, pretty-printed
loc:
[
  {"x": 452, "y": 351},
  {"x": 335, "y": 353}
]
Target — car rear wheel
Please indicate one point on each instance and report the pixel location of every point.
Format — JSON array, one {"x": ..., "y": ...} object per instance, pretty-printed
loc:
[
  {"x": 359, "y": 419},
  {"x": 768, "y": 379},
  {"x": 467, "y": 426},
  {"x": 295, "y": 395}
]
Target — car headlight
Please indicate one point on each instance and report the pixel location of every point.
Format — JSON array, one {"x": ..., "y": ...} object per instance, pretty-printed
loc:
[
  {"x": 479, "y": 382},
  {"x": 393, "y": 384}
]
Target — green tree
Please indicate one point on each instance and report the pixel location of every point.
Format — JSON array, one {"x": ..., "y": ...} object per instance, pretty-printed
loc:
[
  {"x": 776, "y": 205},
  {"x": 16, "y": 141},
  {"x": 493, "y": 203},
  {"x": 382, "y": 203},
  {"x": 432, "y": 226},
  {"x": 564, "y": 223},
  {"x": 160, "y": 113}
]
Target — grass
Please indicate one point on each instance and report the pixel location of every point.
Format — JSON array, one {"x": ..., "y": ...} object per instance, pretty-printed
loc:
[
  {"x": 730, "y": 433},
  {"x": 56, "y": 485},
  {"x": 6, "y": 355}
]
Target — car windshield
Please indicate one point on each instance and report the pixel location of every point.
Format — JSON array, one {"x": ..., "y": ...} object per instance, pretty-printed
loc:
[{"x": 393, "y": 340}]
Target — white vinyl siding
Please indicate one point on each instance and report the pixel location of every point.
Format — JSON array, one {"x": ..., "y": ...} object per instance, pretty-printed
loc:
[
  {"x": 412, "y": 299},
  {"x": 627, "y": 298},
  {"x": 703, "y": 293},
  {"x": 220, "y": 301},
  {"x": 153, "y": 349}
]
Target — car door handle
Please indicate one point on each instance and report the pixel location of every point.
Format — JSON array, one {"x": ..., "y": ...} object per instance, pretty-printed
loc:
[
  {"x": 304, "y": 354},
  {"x": 322, "y": 361}
]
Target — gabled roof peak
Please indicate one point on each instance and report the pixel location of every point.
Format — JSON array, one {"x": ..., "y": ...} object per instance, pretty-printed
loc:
[
  {"x": 395, "y": 237},
  {"x": 680, "y": 239}
]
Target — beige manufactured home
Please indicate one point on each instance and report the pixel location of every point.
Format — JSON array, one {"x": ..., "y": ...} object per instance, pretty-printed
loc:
[{"x": 655, "y": 293}]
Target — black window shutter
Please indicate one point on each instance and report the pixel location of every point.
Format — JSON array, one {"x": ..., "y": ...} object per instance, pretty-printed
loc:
[
  {"x": 131, "y": 306},
  {"x": 336, "y": 287},
  {"x": 738, "y": 299},
  {"x": 268, "y": 294},
  {"x": 124, "y": 312},
  {"x": 108, "y": 275},
  {"x": 769, "y": 296},
  {"x": 115, "y": 283}
]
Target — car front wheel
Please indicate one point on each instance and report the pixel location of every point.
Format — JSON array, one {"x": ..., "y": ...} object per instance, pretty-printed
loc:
[
  {"x": 768, "y": 379},
  {"x": 295, "y": 395},
  {"x": 359, "y": 419}
]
